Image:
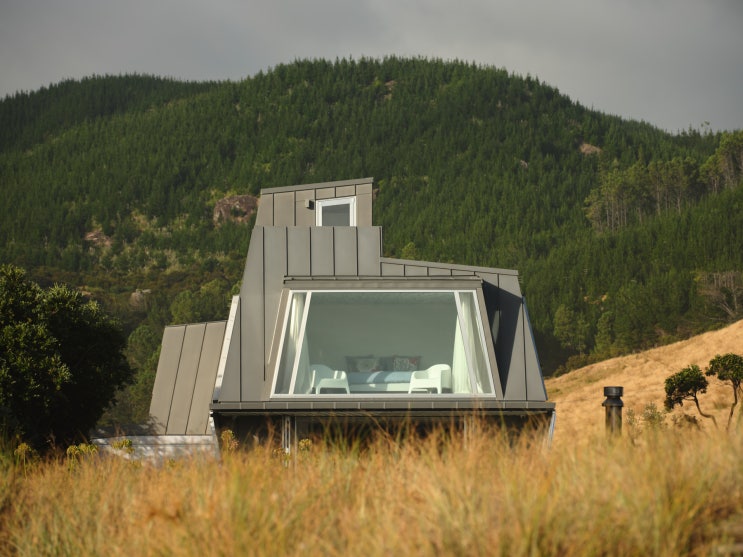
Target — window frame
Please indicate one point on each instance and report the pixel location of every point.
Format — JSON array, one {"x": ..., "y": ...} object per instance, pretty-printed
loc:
[
  {"x": 485, "y": 345},
  {"x": 322, "y": 203}
]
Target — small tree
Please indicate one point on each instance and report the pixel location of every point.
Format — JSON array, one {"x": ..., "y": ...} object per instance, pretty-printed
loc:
[
  {"x": 61, "y": 360},
  {"x": 728, "y": 367},
  {"x": 687, "y": 384},
  {"x": 409, "y": 251}
]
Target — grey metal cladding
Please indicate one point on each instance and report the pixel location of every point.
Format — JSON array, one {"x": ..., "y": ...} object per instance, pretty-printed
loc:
[
  {"x": 345, "y": 251},
  {"x": 510, "y": 353},
  {"x": 491, "y": 293},
  {"x": 535, "y": 389},
  {"x": 321, "y": 244},
  {"x": 186, "y": 379},
  {"x": 283, "y": 209},
  {"x": 364, "y": 187},
  {"x": 304, "y": 208},
  {"x": 265, "y": 211},
  {"x": 290, "y": 205},
  {"x": 438, "y": 271},
  {"x": 369, "y": 250},
  {"x": 416, "y": 271},
  {"x": 363, "y": 208},
  {"x": 298, "y": 251},
  {"x": 356, "y": 182},
  {"x": 167, "y": 371},
  {"x": 250, "y": 377},
  {"x": 198, "y": 418},
  {"x": 345, "y": 191},
  {"x": 392, "y": 270},
  {"x": 274, "y": 271},
  {"x": 325, "y": 193}
]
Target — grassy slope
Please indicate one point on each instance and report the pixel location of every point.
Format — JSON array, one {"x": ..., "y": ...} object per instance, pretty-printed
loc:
[{"x": 579, "y": 394}]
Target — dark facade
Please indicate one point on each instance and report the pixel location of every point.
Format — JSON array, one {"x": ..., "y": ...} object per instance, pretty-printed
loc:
[{"x": 326, "y": 329}]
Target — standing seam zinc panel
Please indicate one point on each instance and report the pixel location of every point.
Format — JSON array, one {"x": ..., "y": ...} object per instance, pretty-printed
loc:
[
  {"x": 167, "y": 371},
  {"x": 186, "y": 379},
  {"x": 198, "y": 419}
]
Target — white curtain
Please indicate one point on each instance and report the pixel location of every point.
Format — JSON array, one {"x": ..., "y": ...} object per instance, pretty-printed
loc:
[
  {"x": 291, "y": 341},
  {"x": 469, "y": 332},
  {"x": 460, "y": 379},
  {"x": 468, "y": 350},
  {"x": 302, "y": 383},
  {"x": 474, "y": 342}
]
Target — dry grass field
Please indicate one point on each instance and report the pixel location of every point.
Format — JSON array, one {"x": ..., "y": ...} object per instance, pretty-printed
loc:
[
  {"x": 679, "y": 495},
  {"x": 671, "y": 492},
  {"x": 579, "y": 394}
]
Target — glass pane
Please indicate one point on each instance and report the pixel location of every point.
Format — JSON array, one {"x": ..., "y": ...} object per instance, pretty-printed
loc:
[
  {"x": 382, "y": 343},
  {"x": 379, "y": 339},
  {"x": 474, "y": 342},
  {"x": 336, "y": 215},
  {"x": 460, "y": 367}
]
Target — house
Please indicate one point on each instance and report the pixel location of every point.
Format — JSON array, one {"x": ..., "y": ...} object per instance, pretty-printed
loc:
[{"x": 327, "y": 330}]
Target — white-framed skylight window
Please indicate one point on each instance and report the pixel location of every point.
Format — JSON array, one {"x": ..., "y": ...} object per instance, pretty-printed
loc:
[
  {"x": 340, "y": 211},
  {"x": 382, "y": 342}
]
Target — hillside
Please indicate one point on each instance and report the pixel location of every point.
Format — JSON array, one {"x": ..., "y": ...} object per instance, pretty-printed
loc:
[
  {"x": 625, "y": 236},
  {"x": 579, "y": 393}
]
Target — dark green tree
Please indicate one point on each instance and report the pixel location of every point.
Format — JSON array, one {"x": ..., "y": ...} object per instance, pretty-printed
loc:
[
  {"x": 61, "y": 360},
  {"x": 728, "y": 367},
  {"x": 571, "y": 329},
  {"x": 132, "y": 402},
  {"x": 687, "y": 384},
  {"x": 210, "y": 302}
]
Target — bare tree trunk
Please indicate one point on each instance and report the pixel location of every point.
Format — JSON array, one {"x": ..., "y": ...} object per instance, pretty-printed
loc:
[
  {"x": 696, "y": 401},
  {"x": 732, "y": 407}
]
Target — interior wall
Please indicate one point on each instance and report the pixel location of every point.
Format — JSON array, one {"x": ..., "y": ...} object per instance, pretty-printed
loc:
[{"x": 381, "y": 330}]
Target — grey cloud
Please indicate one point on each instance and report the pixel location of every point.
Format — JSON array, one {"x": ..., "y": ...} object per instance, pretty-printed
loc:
[{"x": 673, "y": 63}]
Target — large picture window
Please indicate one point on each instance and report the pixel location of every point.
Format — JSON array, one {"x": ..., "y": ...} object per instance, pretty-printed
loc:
[{"x": 382, "y": 343}]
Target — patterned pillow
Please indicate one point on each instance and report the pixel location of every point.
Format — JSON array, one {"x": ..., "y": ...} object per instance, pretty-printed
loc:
[
  {"x": 362, "y": 363},
  {"x": 406, "y": 363}
]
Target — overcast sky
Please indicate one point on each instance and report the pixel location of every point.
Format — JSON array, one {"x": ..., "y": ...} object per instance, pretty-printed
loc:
[{"x": 673, "y": 63}]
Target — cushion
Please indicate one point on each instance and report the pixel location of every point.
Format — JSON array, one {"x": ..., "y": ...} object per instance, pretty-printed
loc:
[
  {"x": 406, "y": 363},
  {"x": 362, "y": 363}
]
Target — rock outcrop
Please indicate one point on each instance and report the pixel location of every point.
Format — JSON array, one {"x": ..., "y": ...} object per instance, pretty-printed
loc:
[{"x": 237, "y": 208}]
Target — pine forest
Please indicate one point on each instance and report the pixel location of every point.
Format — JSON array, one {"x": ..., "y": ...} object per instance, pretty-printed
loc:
[{"x": 139, "y": 191}]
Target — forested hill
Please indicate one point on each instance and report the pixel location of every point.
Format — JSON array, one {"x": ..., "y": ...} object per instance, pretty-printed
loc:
[{"x": 625, "y": 236}]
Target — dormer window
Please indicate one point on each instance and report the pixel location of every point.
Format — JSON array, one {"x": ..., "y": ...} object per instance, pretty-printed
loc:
[{"x": 340, "y": 211}]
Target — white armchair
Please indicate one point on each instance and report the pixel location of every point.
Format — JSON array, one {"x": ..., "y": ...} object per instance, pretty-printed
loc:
[
  {"x": 327, "y": 381},
  {"x": 436, "y": 378}
]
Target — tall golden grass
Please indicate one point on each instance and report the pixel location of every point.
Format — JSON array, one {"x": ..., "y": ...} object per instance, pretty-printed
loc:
[
  {"x": 669, "y": 494},
  {"x": 579, "y": 394}
]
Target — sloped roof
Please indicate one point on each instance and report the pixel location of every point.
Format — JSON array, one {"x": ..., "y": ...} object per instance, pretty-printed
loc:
[{"x": 186, "y": 372}]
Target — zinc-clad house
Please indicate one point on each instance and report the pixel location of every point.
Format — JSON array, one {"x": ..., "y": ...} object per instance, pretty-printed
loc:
[{"x": 327, "y": 330}]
